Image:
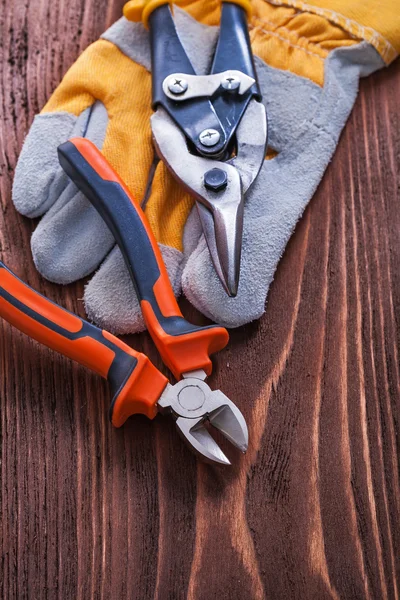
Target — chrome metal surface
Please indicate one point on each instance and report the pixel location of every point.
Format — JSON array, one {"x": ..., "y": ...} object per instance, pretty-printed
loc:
[
  {"x": 209, "y": 137},
  {"x": 205, "y": 86},
  {"x": 192, "y": 403},
  {"x": 230, "y": 83},
  {"x": 177, "y": 85},
  {"x": 221, "y": 212},
  {"x": 197, "y": 374}
]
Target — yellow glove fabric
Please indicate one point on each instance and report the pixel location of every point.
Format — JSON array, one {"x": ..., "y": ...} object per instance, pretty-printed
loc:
[
  {"x": 298, "y": 36},
  {"x": 140, "y": 10},
  {"x": 376, "y": 22}
]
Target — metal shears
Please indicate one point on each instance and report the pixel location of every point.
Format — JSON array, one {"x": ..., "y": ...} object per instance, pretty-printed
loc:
[{"x": 210, "y": 130}]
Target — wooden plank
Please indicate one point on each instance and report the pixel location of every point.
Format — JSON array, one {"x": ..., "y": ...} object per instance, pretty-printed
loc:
[{"x": 313, "y": 509}]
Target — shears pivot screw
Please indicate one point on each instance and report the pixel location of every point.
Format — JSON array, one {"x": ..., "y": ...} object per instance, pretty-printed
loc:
[
  {"x": 230, "y": 83},
  {"x": 209, "y": 137},
  {"x": 215, "y": 179},
  {"x": 177, "y": 85}
]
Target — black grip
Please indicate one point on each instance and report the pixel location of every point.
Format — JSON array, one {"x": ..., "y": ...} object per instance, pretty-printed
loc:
[
  {"x": 168, "y": 56},
  {"x": 127, "y": 223}
]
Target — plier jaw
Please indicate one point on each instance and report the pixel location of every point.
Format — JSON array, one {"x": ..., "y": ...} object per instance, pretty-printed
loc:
[
  {"x": 210, "y": 130},
  {"x": 192, "y": 403}
]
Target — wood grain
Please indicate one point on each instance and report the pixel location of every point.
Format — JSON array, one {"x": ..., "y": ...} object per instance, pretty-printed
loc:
[{"x": 312, "y": 511}]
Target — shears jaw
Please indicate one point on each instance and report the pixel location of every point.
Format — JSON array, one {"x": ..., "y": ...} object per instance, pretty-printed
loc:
[
  {"x": 218, "y": 187},
  {"x": 222, "y": 228},
  {"x": 192, "y": 403}
]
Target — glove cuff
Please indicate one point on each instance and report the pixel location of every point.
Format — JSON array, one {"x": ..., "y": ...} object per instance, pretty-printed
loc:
[{"x": 140, "y": 10}]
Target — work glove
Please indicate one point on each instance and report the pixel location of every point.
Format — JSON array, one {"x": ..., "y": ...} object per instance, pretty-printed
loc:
[{"x": 308, "y": 64}]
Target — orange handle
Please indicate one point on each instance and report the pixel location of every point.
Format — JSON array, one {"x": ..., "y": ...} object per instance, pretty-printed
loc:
[
  {"x": 135, "y": 383},
  {"x": 183, "y": 346}
]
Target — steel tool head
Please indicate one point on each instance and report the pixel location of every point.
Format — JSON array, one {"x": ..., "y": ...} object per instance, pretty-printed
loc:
[
  {"x": 220, "y": 204},
  {"x": 192, "y": 403}
]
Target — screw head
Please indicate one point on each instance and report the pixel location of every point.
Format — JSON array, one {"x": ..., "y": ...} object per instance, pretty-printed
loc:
[
  {"x": 216, "y": 180},
  {"x": 230, "y": 83},
  {"x": 209, "y": 137},
  {"x": 177, "y": 85}
]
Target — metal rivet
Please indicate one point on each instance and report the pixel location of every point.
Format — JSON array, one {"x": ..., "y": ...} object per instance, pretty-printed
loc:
[
  {"x": 209, "y": 137},
  {"x": 230, "y": 83},
  {"x": 191, "y": 397},
  {"x": 216, "y": 179},
  {"x": 177, "y": 85}
]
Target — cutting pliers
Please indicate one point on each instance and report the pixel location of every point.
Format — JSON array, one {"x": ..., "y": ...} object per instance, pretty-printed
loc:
[
  {"x": 210, "y": 130},
  {"x": 137, "y": 386}
]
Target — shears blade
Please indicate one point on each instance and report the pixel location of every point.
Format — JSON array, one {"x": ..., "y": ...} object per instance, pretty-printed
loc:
[{"x": 219, "y": 187}]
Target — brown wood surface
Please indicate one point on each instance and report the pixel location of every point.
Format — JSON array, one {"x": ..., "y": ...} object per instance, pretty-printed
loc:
[{"x": 313, "y": 509}]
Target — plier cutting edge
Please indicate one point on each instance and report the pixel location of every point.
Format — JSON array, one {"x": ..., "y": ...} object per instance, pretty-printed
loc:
[
  {"x": 210, "y": 130},
  {"x": 137, "y": 386}
]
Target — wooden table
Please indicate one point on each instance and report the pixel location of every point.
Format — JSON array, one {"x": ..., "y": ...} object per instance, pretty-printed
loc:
[{"x": 312, "y": 510}]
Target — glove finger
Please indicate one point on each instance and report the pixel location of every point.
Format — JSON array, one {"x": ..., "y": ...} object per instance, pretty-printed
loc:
[
  {"x": 273, "y": 207},
  {"x": 110, "y": 298},
  {"x": 71, "y": 239},
  {"x": 39, "y": 179},
  {"x": 35, "y": 187}
]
